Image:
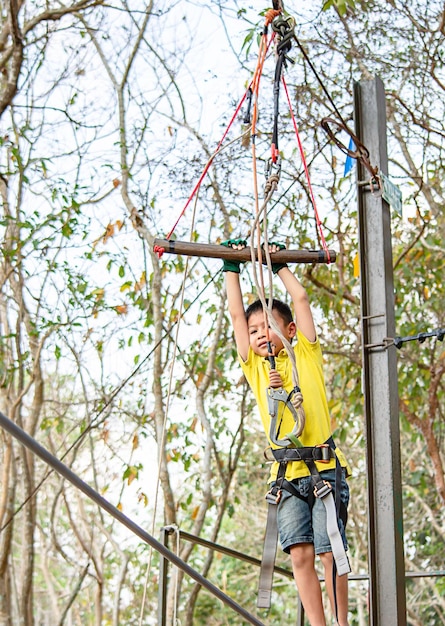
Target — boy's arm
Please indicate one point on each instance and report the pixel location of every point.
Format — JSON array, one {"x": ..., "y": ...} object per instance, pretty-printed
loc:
[
  {"x": 237, "y": 314},
  {"x": 300, "y": 300}
]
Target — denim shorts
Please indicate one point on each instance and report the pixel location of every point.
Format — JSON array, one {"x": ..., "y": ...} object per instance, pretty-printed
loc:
[{"x": 297, "y": 523}]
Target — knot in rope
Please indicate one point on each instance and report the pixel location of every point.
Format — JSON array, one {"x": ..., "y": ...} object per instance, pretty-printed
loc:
[
  {"x": 271, "y": 184},
  {"x": 271, "y": 14},
  {"x": 297, "y": 399},
  {"x": 159, "y": 250}
]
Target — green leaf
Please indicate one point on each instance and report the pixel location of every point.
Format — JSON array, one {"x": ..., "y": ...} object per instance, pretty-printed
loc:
[{"x": 67, "y": 231}]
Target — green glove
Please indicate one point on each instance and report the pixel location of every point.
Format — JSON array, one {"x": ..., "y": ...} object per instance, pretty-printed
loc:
[
  {"x": 228, "y": 264},
  {"x": 276, "y": 267}
]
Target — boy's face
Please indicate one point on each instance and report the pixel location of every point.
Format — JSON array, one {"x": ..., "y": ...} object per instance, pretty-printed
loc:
[{"x": 258, "y": 337}]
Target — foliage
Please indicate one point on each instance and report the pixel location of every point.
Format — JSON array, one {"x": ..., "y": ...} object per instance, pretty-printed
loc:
[
  {"x": 122, "y": 363},
  {"x": 341, "y": 5}
]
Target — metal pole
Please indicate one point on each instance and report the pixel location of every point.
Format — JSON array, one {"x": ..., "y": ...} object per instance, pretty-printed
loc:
[
  {"x": 300, "y": 614},
  {"x": 385, "y": 516},
  {"x": 162, "y": 588},
  {"x": 25, "y": 439}
]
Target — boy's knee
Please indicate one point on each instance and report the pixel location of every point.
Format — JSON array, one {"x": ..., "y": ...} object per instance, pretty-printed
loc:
[
  {"x": 302, "y": 555},
  {"x": 327, "y": 561},
  {"x": 326, "y": 557}
]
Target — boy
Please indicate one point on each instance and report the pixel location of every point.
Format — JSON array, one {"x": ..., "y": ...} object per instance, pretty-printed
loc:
[{"x": 301, "y": 520}]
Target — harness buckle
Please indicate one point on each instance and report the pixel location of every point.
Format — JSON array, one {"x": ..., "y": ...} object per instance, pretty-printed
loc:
[
  {"x": 325, "y": 453},
  {"x": 273, "y": 498},
  {"x": 322, "y": 489}
]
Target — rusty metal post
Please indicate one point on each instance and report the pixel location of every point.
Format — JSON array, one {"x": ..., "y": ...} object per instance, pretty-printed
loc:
[{"x": 385, "y": 515}]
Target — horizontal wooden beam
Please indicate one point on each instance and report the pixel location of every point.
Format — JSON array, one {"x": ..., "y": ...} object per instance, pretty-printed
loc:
[{"x": 217, "y": 251}]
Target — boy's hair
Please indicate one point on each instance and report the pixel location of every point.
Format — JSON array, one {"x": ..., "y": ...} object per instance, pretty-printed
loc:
[{"x": 282, "y": 309}]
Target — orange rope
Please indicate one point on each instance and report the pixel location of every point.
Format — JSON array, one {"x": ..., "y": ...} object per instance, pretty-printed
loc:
[
  {"x": 262, "y": 53},
  {"x": 271, "y": 14}
]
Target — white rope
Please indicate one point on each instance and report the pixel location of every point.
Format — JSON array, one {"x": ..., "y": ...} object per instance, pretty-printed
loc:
[
  {"x": 169, "y": 392},
  {"x": 297, "y": 398}
]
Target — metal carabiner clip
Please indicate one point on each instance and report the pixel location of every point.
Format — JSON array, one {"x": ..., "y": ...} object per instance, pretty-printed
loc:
[{"x": 273, "y": 167}]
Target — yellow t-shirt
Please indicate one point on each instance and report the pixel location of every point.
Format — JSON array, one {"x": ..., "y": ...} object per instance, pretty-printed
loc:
[{"x": 317, "y": 427}]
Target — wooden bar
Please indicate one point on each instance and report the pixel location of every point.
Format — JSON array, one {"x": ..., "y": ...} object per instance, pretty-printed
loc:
[{"x": 217, "y": 251}]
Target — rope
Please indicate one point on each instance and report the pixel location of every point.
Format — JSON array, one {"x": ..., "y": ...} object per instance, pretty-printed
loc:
[
  {"x": 306, "y": 170},
  {"x": 252, "y": 89},
  {"x": 256, "y": 81},
  {"x": 164, "y": 425},
  {"x": 283, "y": 29},
  {"x": 297, "y": 399},
  {"x": 361, "y": 152},
  {"x": 206, "y": 168}
]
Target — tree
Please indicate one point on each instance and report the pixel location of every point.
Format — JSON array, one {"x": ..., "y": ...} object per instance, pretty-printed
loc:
[
  {"x": 121, "y": 362},
  {"x": 73, "y": 297}
]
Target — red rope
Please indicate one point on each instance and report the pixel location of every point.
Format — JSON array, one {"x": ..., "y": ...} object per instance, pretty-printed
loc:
[
  {"x": 206, "y": 169},
  {"x": 254, "y": 87},
  {"x": 306, "y": 169}
]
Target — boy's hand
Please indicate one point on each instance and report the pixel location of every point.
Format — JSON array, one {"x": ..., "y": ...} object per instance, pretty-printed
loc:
[
  {"x": 228, "y": 264},
  {"x": 274, "y": 247},
  {"x": 275, "y": 379}
]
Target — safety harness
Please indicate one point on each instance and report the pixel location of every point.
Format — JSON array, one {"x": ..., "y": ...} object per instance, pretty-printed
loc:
[{"x": 322, "y": 489}]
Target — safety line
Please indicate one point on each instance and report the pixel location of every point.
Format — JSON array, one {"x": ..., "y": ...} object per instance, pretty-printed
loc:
[
  {"x": 268, "y": 308},
  {"x": 264, "y": 47}
]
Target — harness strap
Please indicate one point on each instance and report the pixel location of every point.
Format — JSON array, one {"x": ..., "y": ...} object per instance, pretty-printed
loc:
[
  {"x": 268, "y": 558},
  {"x": 273, "y": 497},
  {"x": 322, "y": 490},
  {"x": 323, "y": 453},
  {"x": 338, "y": 549}
]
